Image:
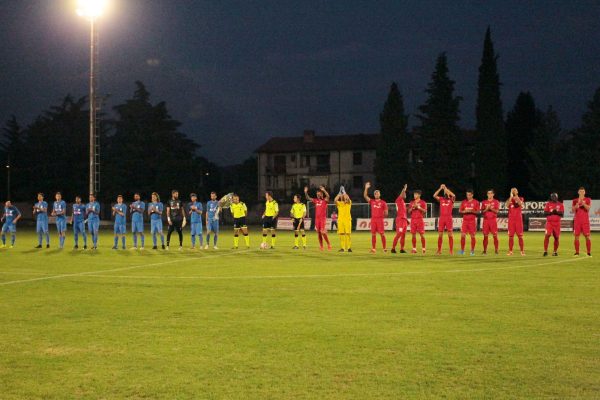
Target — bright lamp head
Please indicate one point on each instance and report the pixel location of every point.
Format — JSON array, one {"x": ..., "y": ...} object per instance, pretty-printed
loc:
[{"x": 91, "y": 8}]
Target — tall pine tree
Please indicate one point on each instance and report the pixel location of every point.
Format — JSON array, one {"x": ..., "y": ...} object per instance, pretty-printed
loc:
[
  {"x": 543, "y": 169},
  {"x": 391, "y": 164},
  {"x": 490, "y": 151},
  {"x": 439, "y": 141},
  {"x": 12, "y": 151}
]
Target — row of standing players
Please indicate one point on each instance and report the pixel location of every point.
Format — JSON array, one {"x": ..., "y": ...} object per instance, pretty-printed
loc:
[{"x": 470, "y": 208}]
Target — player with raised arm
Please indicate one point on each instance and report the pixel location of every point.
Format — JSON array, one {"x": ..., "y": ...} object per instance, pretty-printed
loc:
[
  {"x": 195, "y": 212},
  {"x": 401, "y": 221},
  {"x": 554, "y": 212},
  {"x": 78, "y": 222},
  {"x": 119, "y": 211},
  {"x": 92, "y": 213},
  {"x": 344, "y": 220},
  {"x": 298, "y": 214},
  {"x": 515, "y": 221},
  {"x": 239, "y": 211},
  {"x": 320, "y": 203},
  {"x": 489, "y": 209},
  {"x": 581, "y": 223},
  {"x": 269, "y": 219},
  {"x": 155, "y": 210},
  {"x": 379, "y": 211},
  {"x": 212, "y": 220},
  {"x": 418, "y": 209},
  {"x": 175, "y": 218},
  {"x": 40, "y": 212},
  {"x": 10, "y": 217},
  {"x": 59, "y": 210},
  {"x": 469, "y": 208},
  {"x": 445, "y": 222},
  {"x": 137, "y": 209}
]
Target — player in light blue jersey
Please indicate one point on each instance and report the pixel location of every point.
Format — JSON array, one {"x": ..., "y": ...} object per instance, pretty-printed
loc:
[
  {"x": 40, "y": 212},
  {"x": 78, "y": 222},
  {"x": 10, "y": 217},
  {"x": 59, "y": 210},
  {"x": 212, "y": 219},
  {"x": 137, "y": 209},
  {"x": 119, "y": 211},
  {"x": 195, "y": 213},
  {"x": 92, "y": 212},
  {"x": 155, "y": 210}
]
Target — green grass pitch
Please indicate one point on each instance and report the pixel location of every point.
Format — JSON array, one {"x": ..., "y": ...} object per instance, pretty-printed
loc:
[{"x": 285, "y": 324}]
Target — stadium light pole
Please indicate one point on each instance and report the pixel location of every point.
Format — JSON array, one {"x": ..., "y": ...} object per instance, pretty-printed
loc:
[{"x": 92, "y": 10}]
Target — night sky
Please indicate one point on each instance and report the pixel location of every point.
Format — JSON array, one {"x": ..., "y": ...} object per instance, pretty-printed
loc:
[{"x": 237, "y": 72}]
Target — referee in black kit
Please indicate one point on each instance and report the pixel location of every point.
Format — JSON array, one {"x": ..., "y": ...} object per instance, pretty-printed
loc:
[{"x": 175, "y": 218}]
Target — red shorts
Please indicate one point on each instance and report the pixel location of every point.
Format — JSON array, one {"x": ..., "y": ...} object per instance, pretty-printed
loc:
[
  {"x": 581, "y": 227},
  {"x": 417, "y": 226},
  {"x": 515, "y": 226},
  {"x": 490, "y": 226},
  {"x": 469, "y": 226},
  {"x": 553, "y": 228},
  {"x": 401, "y": 225},
  {"x": 377, "y": 225},
  {"x": 321, "y": 225},
  {"x": 445, "y": 224}
]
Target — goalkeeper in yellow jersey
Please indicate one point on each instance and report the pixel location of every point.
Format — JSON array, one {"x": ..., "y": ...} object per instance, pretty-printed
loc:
[
  {"x": 269, "y": 218},
  {"x": 239, "y": 211},
  {"x": 344, "y": 204},
  {"x": 298, "y": 213}
]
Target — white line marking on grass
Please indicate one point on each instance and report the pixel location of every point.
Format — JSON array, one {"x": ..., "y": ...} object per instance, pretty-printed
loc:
[
  {"x": 92, "y": 273},
  {"x": 316, "y": 276}
]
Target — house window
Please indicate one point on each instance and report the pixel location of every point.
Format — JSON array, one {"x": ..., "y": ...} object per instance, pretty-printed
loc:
[
  {"x": 307, "y": 161},
  {"x": 357, "y": 158},
  {"x": 357, "y": 182},
  {"x": 323, "y": 163},
  {"x": 293, "y": 158},
  {"x": 279, "y": 164}
]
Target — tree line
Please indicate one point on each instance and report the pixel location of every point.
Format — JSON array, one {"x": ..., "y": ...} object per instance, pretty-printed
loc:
[{"x": 527, "y": 149}]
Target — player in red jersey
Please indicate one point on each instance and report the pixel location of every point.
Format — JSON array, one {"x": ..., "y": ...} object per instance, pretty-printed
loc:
[
  {"x": 320, "y": 214},
  {"x": 379, "y": 210},
  {"x": 554, "y": 211},
  {"x": 490, "y": 208},
  {"x": 469, "y": 208},
  {"x": 445, "y": 220},
  {"x": 401, "y": 222},
  {"x": 581, "y": 222},
  {"x": 417, "y": 209},
  {"x": 515, "y": 220}
]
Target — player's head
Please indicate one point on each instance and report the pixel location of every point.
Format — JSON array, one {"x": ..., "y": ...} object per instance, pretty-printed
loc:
[
  {"x": 155, "y": 197},
  {"x": 7, "y": 204},
  {"x": 514, "y": 191},
  {"x": 58, "y": 196},
  {"x": 319, "y": 194},
  {"x": 470, "y": 194},
  {"x": 136, "y": 197},
  {"x": 120, "y": 199},
  {"x": 213, "y": 195},
  {"x": 554, "y": 197},
  {"x": 490, "y": 194},
  {"x": 346, "y": 198},
  {"x": 417, "y": 194},
  {"x": 377, "y": 194},
  {"x": 193, "y": 196},
  {"x": 269, "y": 195},
  {"x": 581, "y": 192},
  {"x": 92, "y": 197},
  {"x": 78, "y": 199},
  {"x": 235, "y": 198},
  {"x": 175, "y": 194},
  {"x": 296, "y": 198},
  {"x": 40, "y": 196}
]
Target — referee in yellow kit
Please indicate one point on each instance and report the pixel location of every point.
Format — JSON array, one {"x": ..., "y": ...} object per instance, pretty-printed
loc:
[{"x": 269, "y": 218}]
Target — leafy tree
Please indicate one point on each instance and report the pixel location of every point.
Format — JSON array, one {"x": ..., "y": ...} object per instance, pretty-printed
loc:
[
  {"x": 490, "y": 152},
  {"x": 543, "y": 169},
  {"x": 242, "y": 179},
  {"x": 391, "y": 164},
  {"x": 439, "y": 138},
  {"x": 12, "y": 152}
]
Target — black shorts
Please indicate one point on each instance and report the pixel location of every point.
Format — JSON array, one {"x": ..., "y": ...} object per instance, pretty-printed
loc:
[
  {"x": 269, "y": 223},
  {"x": 239, "y": 222},
  {"x": 298, "y": 223}
]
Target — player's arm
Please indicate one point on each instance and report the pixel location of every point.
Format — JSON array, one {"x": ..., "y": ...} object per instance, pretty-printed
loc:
[
  {"x": 18, "y": 215},
  {"x": 337, "y": 198},
  {"x": 403, "y": 192},
  {"x": 169, "y": 215},
  {"x": 276, "y": 210},
  {"x": 477, "y": 208},
  {"x": 304, "y": 214},
  {"x": 449, "y": 192},
  {"x": 325, "y": 192},
  {"x": 306, "y": 194},
  {"x": 436, "y": 195},
  {"x": 385, "y": 210},
  {"x": 366, "y": 192},
  {"x": 547, "y": 211},
  {"x": 422, "y": 209},
  {"x": 585, "y": 205}
]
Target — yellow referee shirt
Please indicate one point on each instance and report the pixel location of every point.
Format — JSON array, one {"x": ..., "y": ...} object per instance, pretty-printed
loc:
[
  {"x": 271, "y": 208},
  {"x": 344, "y": 210},
  {"x": 298, "y": 210},
  {"x": 239, "y": 210}
]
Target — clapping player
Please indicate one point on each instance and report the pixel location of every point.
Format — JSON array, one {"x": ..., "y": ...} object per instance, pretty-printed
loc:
[
  {"x": 379, "y": 211},
  {"x": 445, "y": 222},
  {"x": 320, "y": 203},
  {"x": 155, "y": 210},
  {"x": 137, "y": 209},
  {"x": 554, "y": 211},
  {"x": 59, "y": 210},
  {"x": 469, "y": 208},
  {"x": 40, "y": 212},
  {"x": 119, "y": 211}
]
